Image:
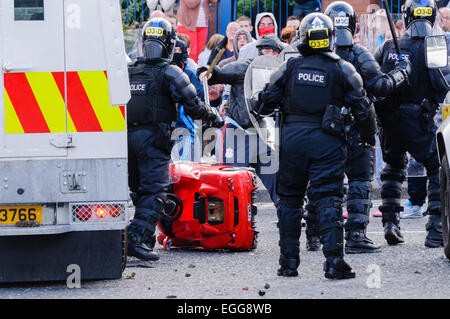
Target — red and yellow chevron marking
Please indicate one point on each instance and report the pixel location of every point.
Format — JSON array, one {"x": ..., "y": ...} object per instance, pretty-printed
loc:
[{"x": 35, "y": 103}]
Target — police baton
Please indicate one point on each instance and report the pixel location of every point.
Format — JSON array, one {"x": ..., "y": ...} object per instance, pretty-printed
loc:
[
  {"x": 394, "y": 34},
  {"x": 205, "y": 84}
]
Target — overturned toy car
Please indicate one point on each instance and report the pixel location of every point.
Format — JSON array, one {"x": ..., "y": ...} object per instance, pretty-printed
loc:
[{"x": 214, "y": 208}]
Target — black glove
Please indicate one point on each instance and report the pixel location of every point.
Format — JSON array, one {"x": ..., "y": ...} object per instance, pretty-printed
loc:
[
  {"x": 404, "y": 65},
  {"x": 209, "y": 114}
]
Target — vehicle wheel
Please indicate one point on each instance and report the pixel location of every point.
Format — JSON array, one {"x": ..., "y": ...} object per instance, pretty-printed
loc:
[
  {"x": 255, "y": 241},
  {"x": 445, "y": 204}
]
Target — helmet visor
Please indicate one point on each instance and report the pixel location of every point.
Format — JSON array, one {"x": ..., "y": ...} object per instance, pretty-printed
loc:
[{"x": 344, "y": 37}]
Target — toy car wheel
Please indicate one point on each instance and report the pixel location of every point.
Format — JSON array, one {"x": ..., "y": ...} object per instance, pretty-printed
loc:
[
  {"x": 255, "y": 241},
  {"x": 445, "y": 204},
  {"x": 177, "y": 210},
  {"x": 167, "y": 243}
]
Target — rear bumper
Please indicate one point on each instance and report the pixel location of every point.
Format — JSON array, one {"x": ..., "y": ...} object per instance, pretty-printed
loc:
[{"x": 97, "y": 255}]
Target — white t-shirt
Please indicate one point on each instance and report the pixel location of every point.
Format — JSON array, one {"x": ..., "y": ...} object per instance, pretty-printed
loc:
[{"x": 201, "y": 20}]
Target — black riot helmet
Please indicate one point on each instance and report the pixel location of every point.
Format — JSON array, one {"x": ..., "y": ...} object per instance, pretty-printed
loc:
[
  {"x": 316, "y": 34},
  {"x": 419, "y": 16},
  {"x": 345, "y": 18},
  {"x": 158, "y": 39}
]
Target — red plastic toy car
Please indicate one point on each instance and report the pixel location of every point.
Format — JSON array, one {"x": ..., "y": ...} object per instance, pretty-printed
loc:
[{"x": 215, "y": 208}]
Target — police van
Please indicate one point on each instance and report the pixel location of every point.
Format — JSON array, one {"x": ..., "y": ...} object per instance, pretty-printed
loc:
[{"x": 63, "y": 140}]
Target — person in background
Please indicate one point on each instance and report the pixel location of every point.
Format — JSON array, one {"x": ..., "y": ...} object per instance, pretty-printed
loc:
[
  {"x": 193, "y": 17},
  {"x": 212, "y": 43},
  {"x": 293, "y": 22},
  {"x": 287, "y": 34},
  {"x": 226, "y": 43},
  {"x": 241, "y": 38},
  {"x": 265, "y": 23},
  {"x": 305, "y": 7},
  {"x": 189, "y": 62},
  {"x": 172, "y": 18},
  {"x": 245, "y": 23},
  {"x": 443, "y": 3},
  {"x": 444, "y": 21}
]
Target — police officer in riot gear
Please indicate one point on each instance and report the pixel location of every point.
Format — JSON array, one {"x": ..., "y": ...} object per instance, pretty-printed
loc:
[
  {"x": 156, "y": 86},
  {"x": 359, "y": 166},
  {"x": 312, "y": 89},
  {"x": 407, "y": 125}
]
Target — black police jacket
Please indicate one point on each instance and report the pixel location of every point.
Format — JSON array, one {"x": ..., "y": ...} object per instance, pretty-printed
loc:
[
  {"x": 307, "y": 85},
  {"x": 156, "y": 86},
  {"x": 376, "y": 82},
  {"x": 421, "y": 83}
]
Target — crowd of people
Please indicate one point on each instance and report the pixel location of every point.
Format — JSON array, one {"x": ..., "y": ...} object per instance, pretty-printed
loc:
[{"x": 305, "y": 173}]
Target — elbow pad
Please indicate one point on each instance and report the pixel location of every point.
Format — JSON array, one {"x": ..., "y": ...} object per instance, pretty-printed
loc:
[
  {"x": 364, "y": 113},
  {"x": 181, "y": 82}
]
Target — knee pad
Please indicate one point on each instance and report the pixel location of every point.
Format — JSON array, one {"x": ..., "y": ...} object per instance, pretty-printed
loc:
[
  {"x": 432, "y": 165},
  {"x": 290, "y": 202},
  {"x": 392, "y": 173}
]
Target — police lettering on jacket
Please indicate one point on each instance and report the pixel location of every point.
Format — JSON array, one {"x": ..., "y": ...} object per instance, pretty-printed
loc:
[
  {"x": 139, "y": 87},
  {"x": 393, "y": 56},
  {"x": 312, "y": 78}
]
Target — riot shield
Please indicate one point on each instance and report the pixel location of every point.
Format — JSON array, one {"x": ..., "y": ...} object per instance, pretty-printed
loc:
[
  {"x": 374, "y": 29},
  {"x": 257, "y": 76},
  {"x": 289, "y": 52}
]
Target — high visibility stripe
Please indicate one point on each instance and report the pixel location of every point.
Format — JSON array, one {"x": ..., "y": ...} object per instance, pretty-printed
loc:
[
  {"x": 50, "y": 100},
  {"x": 25, "y": 104},
  {"x": 35, "y": 103},
  {"x": 59, "y": 80},
  {"x": 96, "y": 87},
  {"x": 12, "y": 125},
  {"x": 79, "y": 106}
]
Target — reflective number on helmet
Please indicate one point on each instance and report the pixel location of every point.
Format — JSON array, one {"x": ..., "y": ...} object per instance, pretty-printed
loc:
[
  {"x": 341, "y": 21},
  {"x": 423, "y": 12},
  {"x": 319, "y": 44},
  {"x": 154, "y": 31}
]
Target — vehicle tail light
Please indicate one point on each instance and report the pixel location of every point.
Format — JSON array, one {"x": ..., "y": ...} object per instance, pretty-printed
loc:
[{"x": 83, "y": 212}]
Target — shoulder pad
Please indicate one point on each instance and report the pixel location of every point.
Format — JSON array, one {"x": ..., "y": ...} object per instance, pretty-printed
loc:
[
  {"x": 172, "y": 72},
  {"x": 332, "y": 55},
  {"x": 358, "y": 50},
  {"x": 351, "y": 74}
]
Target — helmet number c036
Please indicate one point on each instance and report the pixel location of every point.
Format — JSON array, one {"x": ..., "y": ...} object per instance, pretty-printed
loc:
[{"x": 422, "y": 11}]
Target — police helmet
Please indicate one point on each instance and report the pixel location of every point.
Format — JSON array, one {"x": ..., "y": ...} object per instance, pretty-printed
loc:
[
  {"x": 158, "y": 39},
  {"x": 419, "y": 16},
  {"x": 345, "y": 18},
  {"x": 269, "y": 41},
  {"x": 316, "y": 34}
]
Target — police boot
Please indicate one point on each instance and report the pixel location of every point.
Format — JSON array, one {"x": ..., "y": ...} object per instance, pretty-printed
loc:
[
  {"x": 332, "y": 238},
  {"x": 335, "y": 267},
  {"x": 391, "y": 225},
  {"x": 289, "y": 225},
  {"x": 142, "y": 229},
  {"x": 434, "y": 232},
  {"x": 312, "y": 231},
  {"x": 288, "y": 266},
  {"x": 136, "y": 247},
  {"x": 356, "y": 241}
]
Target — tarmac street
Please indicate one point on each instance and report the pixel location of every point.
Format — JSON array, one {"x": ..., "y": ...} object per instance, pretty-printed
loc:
[{"x": 406, "y": 271}]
